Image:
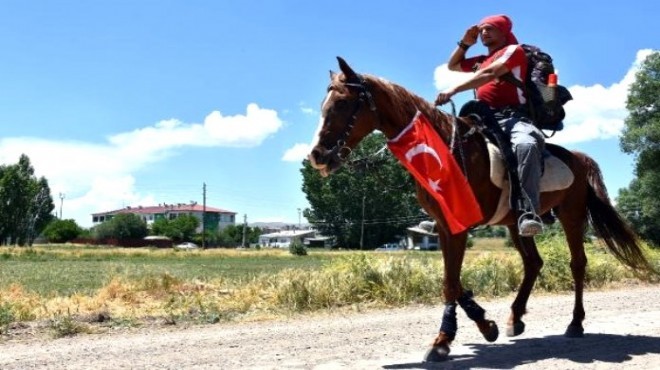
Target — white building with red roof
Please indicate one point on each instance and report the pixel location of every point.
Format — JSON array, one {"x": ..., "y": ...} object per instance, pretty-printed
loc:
[{"x": 216, "y": 218}]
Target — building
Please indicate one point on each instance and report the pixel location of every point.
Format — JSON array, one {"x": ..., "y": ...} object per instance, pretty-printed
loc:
[
  {"x": 216, "y": 218},
  {"x": 422, "y": 236},
  {"x": 283, "y": 239}
]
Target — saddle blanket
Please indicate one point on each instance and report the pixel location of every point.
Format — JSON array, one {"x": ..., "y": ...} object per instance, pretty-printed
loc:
[{"x": 556, "y": 176}]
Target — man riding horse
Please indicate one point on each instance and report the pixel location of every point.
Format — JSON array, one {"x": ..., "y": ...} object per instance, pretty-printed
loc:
[{"x": 504, "y": 56}]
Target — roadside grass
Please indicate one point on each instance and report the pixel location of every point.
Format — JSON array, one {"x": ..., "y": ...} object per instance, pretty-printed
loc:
[{"x": 74, "y": 287}]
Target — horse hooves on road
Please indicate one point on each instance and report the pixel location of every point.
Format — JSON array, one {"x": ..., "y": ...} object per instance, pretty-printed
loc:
[
  {"x": 574, "y": 331},
  {"x": 492, "y": 333},
  {"x": 516, "y": 329},
  {"x": 437, "y": 354}
]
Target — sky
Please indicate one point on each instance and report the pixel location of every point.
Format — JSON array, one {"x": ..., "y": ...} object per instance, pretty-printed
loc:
[{"x": 126, "y": 103}]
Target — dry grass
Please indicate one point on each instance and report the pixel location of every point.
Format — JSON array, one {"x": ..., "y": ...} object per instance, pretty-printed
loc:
[{"x": 323, "y": 280}]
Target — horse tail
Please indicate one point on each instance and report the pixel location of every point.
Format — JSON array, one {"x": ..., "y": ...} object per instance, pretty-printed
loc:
[{"x": 608, "y": 224}]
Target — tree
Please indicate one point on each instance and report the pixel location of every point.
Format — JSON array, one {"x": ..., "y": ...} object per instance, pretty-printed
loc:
[
  {"x": 181, "y": 228},
  {"x": 367, "y": 204},
  {"x": 640, "y": 203},
  {"x": 25, "y": 203},
  {"x": 62, "y": 231},
  {"x": 232, "y": 235},
  {"x": 122, "y": 226}
]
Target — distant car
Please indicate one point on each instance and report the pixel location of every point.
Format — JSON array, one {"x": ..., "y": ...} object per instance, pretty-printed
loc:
[
  {"x": 389, "y": 247},
  {"x": 428, "y": 247},
  {"x": 186, "y": 245}
]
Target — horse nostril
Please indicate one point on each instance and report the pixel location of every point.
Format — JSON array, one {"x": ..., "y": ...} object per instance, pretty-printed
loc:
[{"x": 317, "y": 156}]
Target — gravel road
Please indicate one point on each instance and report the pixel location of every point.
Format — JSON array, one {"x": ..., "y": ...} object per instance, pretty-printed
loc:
[{"x": 622, "y": 330}]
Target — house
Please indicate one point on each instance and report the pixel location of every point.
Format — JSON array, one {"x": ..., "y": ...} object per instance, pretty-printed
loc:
[
  {"x": 216, "y": 218},
  {"x": 422, "y": 236},
  {"x": 284, "y": 238}
]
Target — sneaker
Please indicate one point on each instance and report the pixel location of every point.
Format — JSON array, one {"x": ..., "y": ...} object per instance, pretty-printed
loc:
[{"x": 530, "y": 227}]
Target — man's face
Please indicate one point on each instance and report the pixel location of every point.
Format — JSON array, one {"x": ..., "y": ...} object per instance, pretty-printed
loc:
[{"x": 491, "y": 36}]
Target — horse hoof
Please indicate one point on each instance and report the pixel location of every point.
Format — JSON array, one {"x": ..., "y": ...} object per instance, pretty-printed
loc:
[
  {"x": 516, "y": 329},
  {"x": 437, "y": 354},
  {"x": 492, "y": 332},
  {"x": 574, "y": 331}
]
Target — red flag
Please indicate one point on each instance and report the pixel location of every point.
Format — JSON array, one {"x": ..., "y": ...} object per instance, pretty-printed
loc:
[{"x": 421, "y": 150}]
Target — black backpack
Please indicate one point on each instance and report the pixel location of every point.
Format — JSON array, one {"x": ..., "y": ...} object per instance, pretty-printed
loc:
[{"x": 545, "y": 105}]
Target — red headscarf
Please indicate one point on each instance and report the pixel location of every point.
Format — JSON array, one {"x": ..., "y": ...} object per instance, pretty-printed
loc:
[{"x": 502, "y": 23}]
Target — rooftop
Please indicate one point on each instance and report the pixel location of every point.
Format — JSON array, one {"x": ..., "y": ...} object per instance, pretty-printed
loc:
[{"x": 164, "y": 208}]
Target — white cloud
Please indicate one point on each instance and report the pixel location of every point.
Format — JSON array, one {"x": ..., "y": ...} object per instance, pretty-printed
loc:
[
  {"x": 98, "y": 177},
  {"x": 444, "y": 78},
  {"x": 596, "y": 111},
  {"x": 307, "y": 110},
  {"x": 297, "y": 153}
]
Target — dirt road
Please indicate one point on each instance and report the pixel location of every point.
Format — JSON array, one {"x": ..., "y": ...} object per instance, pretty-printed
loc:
[{"x": 622, "y": 332}]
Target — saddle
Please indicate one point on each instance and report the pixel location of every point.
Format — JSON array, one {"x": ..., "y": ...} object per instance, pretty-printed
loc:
[{"x": 503, "y": 163}]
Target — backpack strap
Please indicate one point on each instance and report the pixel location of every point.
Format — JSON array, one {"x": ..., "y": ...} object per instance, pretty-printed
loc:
[{"x": 510, "y": 78}]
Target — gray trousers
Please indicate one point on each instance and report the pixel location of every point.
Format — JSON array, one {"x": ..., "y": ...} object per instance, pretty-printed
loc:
[{"x": 528, "y": 145}]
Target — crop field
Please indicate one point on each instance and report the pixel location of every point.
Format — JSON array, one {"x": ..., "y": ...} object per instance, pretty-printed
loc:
[{"x": 74, "y": 284}]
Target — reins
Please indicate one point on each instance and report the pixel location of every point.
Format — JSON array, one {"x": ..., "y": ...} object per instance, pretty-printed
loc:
[{"x": 455, "y": 133}]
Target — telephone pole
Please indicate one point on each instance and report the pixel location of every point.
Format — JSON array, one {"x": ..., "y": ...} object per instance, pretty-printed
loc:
[
  {"x": 362, "y": 226},
  {"x": 61, "y": 203},
  {"x": 244, "y": 227},
  {"x": 204, "y": 216},
  {"x": 299, "y": 225}
]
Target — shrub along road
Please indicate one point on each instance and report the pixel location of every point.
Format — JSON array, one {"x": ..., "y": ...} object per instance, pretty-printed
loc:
[{"x": 622, "y": 331}]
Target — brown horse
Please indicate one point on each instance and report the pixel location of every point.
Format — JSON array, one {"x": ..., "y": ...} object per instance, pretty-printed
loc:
[{"x": 358, "y": 104}]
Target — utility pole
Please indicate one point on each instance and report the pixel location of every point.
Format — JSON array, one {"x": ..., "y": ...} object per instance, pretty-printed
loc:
[
  {"x": 362, "y": 226},
  {"x": 204, "y": 216},
  {"x": 244, "y": 229},
  {"x": 61, "y": 203},
  {"x": 299, "y": 225}
]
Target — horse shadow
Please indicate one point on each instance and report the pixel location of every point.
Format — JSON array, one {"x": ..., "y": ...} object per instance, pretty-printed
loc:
[{"x": 608, "y": 348}]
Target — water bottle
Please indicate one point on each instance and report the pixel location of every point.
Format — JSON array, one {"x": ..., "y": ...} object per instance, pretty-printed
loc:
[{"x": 549, "y": 92}]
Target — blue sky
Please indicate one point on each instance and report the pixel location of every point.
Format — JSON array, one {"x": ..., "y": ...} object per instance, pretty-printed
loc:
[{"x": 126, "y": 103}]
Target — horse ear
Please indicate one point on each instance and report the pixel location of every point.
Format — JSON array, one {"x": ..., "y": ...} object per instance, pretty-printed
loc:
[
  {"x": 348, "y": 71},
  {"x": 332, "y": 75}
]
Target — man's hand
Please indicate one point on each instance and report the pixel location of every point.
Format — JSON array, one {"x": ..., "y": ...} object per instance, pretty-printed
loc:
[
  {"x": 443, "y": 97},
  {"x": 471, "y": 35}
]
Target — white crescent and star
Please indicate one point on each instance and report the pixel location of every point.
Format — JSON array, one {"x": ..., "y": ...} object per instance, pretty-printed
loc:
[{"x": 421, "y": 149}]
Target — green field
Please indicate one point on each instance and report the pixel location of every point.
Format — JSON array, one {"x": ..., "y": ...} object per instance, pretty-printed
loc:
[
  {"x": 68, "y": 270},
  {"x": 65, "y": 270},
  {"x": 65, "y": 283}
]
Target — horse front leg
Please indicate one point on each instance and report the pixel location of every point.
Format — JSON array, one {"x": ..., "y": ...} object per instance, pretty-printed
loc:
[
  {"x": 488, "y": 328},
  {"x": 453, "y": 252},
  {"x": 532, "y": 264}
]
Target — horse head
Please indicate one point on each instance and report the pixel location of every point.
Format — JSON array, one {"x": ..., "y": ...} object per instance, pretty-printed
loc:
[{"x": 348, "y": 114}]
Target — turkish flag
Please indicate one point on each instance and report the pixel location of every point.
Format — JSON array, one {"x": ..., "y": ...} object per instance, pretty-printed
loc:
[{"x": 421, "y": 150}]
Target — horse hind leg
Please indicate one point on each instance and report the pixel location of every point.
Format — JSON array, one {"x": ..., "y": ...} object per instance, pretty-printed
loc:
[
  {"x": 532, "y": 264},
  {"x": 574, "y": 230}
]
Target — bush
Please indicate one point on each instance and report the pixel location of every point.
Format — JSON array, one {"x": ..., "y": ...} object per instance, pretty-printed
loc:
[
  {"x": 62, "y": 231},
  {"x": 297, "y": 248},
  {"x": 6, "y": 316},
  {"x": 122, "y": 226}
]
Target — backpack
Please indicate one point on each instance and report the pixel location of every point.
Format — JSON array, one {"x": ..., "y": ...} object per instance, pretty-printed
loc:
[{"x": 544, "y": 103}]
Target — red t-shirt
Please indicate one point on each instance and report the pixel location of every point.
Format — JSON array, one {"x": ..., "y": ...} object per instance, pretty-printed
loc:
[{"x": 498, "y": 93}]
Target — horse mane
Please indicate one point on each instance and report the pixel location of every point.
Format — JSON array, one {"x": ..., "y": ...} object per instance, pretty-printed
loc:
[{"x": 405, "y": 103}]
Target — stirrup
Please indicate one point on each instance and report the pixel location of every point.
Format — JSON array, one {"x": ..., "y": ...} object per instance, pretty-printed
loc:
[{"x": 534, "y": 224}]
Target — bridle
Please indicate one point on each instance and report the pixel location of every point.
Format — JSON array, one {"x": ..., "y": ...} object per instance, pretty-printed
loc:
[{"x": 340, "y": 150}]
